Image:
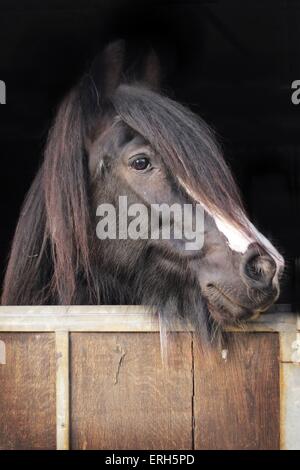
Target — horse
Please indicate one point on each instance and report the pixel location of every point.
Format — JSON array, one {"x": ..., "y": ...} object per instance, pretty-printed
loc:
[{"x": 119, "y": 135}]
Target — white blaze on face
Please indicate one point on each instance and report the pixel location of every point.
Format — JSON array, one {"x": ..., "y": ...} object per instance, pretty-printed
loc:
[{"x": 238, "y": 240}]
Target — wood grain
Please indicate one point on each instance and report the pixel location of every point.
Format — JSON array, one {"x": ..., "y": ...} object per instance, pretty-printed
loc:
[
  {"x": 116, "y": 318},
  {"x": 122, "y": 397},
  {"x": 236, "y": 402},
  {"x": 27, "y": 392},
  {"x": 62, "y": 390}
]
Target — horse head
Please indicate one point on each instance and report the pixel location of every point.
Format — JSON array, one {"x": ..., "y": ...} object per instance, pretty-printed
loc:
[{"x": 116, "y": 135}]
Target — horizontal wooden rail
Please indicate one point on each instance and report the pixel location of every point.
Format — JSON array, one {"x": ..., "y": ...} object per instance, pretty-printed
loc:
[{"x": 126, "y": 318}]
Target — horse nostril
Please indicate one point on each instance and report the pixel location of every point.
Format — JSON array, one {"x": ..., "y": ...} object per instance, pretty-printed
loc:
[
  {"x": 260, "y": 268},
  {"x": 254, "y": 268}
]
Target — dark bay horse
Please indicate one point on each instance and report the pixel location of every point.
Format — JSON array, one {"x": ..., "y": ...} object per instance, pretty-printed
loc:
[{"x": 118, "y": 137}]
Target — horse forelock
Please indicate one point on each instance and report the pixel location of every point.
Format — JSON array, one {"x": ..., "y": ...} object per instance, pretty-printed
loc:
[
  {"x": 187, "y": 146},
  {"x": 193, "y": 156}
]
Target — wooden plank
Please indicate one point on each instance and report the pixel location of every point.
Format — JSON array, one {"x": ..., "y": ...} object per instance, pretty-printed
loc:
[
  {"x": 237, "y": 401},
  {"x": 290, "y": 390},
  {"x": 38, "y": 310},
  {"x": 290, "y": 406},
  {"x": 122, "y": 396},
  {"x": 27, "y": 392},
  {"x": 290, "y": 347},
  {"x": 118, "y": 318},
  {"x": 62, "y": 390},
  {"x": 2, "y": 353}
]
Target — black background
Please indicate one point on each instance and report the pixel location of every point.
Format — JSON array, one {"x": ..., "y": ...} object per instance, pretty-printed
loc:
[{"x": 233, "y": 62}]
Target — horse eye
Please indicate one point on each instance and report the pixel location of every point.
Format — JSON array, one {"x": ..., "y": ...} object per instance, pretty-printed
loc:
[{"x": 141, "y": 163}]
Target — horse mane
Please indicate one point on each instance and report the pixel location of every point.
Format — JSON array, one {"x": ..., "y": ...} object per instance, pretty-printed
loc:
[
  {"x": 51, "y": 243},
  {"x": 52, "y": 259}
]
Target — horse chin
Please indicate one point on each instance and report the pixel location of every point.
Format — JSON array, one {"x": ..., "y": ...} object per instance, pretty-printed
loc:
[{"x": 225, "y": 310}]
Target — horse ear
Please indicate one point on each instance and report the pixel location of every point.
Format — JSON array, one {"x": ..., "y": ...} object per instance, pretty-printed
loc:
[
  {"x": 106, "y": 69},
  {"x": 112, "y": 65},
  {"x": 101, "y": 80},
  {"x": 152, "y": 71}
]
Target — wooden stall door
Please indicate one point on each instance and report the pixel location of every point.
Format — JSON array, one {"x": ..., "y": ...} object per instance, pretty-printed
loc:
[
  {"x": 122, "y": 398},
  {"x": 237, "y": 402},
  {"x": 27, "y": 391}
]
